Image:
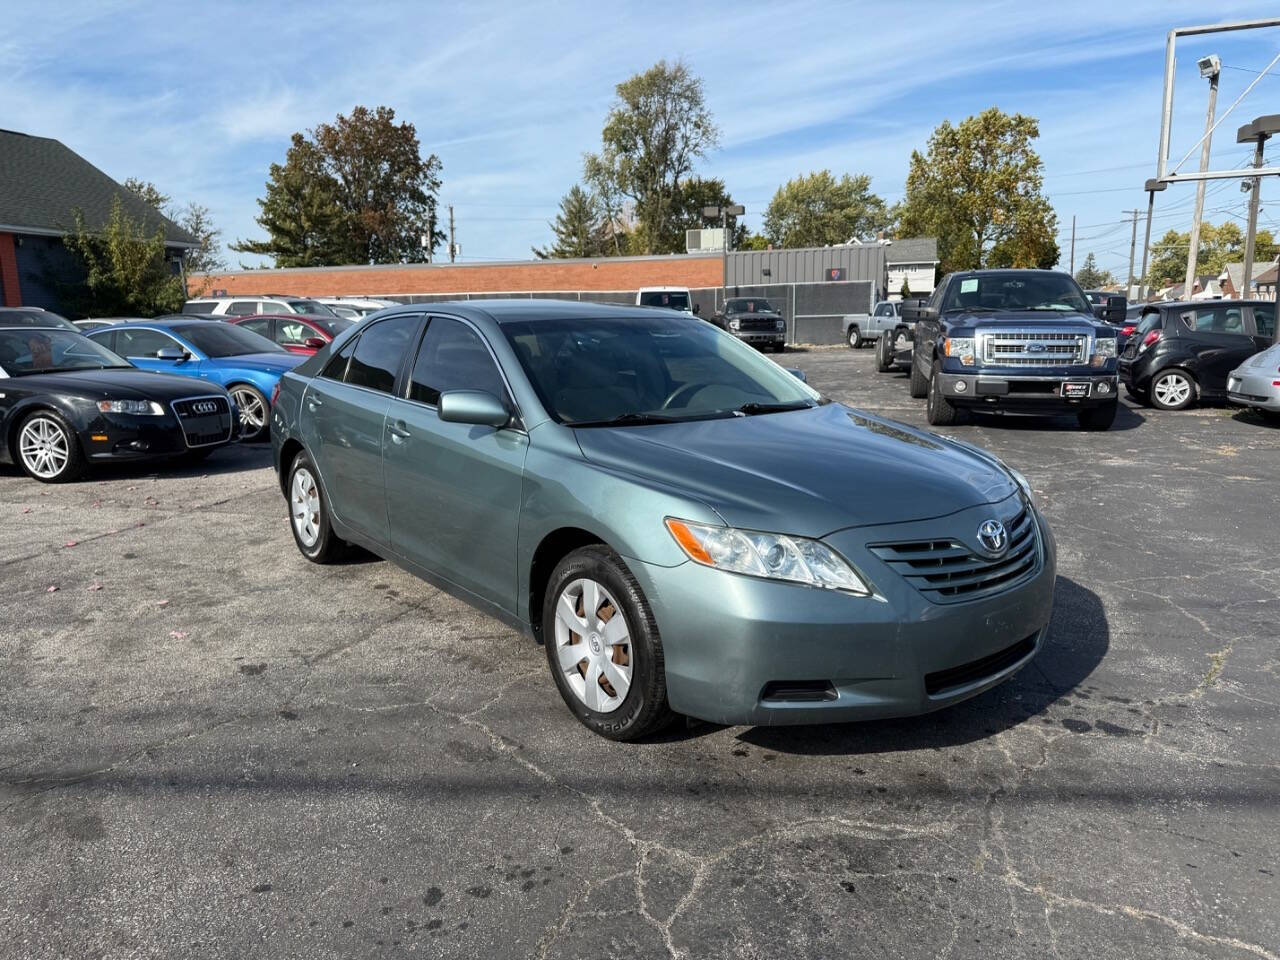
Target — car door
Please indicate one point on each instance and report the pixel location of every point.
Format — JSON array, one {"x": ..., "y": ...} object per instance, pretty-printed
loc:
[
  {"x": 1218, "y": 341},
  {"x": 342, "y": 417},
  {"x": 139, "y": 345},
  {"x": 454, "y": 490}
]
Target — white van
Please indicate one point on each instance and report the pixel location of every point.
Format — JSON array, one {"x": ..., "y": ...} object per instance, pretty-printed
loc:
[{"x": 673, "y": 298}]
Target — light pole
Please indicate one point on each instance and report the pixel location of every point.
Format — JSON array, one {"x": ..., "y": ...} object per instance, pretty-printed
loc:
[
  {"x": 1210, "y": 67},
  {"x": 1257, "y": 133},
  {"x": 724, "y": 213}
]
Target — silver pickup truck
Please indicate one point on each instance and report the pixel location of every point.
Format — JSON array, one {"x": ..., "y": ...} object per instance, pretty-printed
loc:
[{"x": 861, "y": 328}]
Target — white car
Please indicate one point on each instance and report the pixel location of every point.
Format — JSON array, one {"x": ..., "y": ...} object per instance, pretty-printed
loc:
[
  {"x": 673, "y": 298},
  {"x": 354, "y": 308},
  {"x": 1256, "y": 383},
  {"x": 247, "y": 304}
]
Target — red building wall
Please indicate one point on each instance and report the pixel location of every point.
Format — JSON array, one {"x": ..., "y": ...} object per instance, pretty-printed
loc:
[{"x": 9, "y": 272}]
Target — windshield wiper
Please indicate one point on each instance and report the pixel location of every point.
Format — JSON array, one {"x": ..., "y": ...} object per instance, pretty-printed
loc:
[
  {"x": 626, "y": 420},
  {"x": 751, "y": 409}
]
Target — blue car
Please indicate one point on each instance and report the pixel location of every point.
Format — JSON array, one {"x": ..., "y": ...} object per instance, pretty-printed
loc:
[{"x": 247, "y": 365}]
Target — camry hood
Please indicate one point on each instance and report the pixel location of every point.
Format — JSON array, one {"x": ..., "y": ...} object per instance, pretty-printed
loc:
[
  {"x": 265, "y": 362},
  {"x": 807, "y": 472}
]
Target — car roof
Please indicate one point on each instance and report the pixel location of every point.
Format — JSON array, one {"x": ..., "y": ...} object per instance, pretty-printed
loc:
[
  {"x": 34, "y": 326},
  {"x": 536, "y": 309}
]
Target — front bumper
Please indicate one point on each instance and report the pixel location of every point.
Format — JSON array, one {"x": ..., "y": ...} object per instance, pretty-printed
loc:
[
  {"x": 1260, "y": 389},
  {"x": 736, "y": 646},
  {"x": 758, "y": 337},
  {"x": 1029, "y": 393},
  {"x": 112, "y": 437}
]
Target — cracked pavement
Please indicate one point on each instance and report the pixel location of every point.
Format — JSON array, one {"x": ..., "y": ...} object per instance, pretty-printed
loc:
[{"x": 209, "y": 747}]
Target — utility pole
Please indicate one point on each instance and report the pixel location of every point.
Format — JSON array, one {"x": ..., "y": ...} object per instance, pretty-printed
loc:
[
  {"x": 1133, "y": 245},
  {"x": 1209, "y": 67},
  {"x": 1073, "y": 245},
  {"x": 1255, "y": 186},
  {"x": 1152, "y": 187},
  {"x": 453, "y": 247}
]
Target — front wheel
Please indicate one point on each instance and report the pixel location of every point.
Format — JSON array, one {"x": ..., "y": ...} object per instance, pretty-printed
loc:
[
  {"x": 48, "y": 449},
  {"x": 940, "y": 411},
  {"x": 1173, "y": 390},
  {"x": 1098, "y": 418},
  {"x": 309, "y": 514},
  {"x": 603, "y": 646},
  {"x": 884, "y": 350},
  {"x": 254, "y": 410},
  {"x": 854, "y": 336}
]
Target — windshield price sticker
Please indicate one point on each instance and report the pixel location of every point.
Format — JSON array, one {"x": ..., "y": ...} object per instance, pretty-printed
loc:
[{"x": 969, "y": 286}]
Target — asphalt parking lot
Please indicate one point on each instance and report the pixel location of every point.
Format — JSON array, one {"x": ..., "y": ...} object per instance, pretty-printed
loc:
[{"x": 209, "y": 747}]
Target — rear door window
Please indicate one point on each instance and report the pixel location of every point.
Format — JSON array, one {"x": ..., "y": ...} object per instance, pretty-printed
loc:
[
  {"x": 336, "y": 368},
  {"x": 1218, "y": 319},
  {"x": 378, "y": 354},
  {"x": 241, "y": 308},
  {"x": 1264, "y": 317}
]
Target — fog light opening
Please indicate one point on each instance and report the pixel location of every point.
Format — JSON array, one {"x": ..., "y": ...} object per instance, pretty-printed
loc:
[
  {"x": 961, "y": 386},
  {"x": 799, "y": 691}
]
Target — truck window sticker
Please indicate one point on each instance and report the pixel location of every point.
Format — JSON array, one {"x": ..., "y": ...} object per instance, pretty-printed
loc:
[{"x": 969, "y": 286}]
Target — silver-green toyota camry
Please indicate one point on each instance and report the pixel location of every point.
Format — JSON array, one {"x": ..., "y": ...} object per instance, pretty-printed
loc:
[{"x": 685, "y": 526}]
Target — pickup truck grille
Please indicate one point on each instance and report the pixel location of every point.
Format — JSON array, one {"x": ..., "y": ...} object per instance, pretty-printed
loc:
[
  {"x": 756, "y": 324},
  {"x": 1032, "y": 348},
  {"x": 947, "y": 571}
]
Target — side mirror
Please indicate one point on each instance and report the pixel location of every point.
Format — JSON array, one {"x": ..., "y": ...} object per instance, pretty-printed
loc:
[
  {"x": 314, "y": 343},
  {"x": 798, "y": 374},
  {"x": 919, "y": 312},
  {"x": 473, "y": 406},
  {"x": 176, "y": 354},
  {"x": 1115, "y": 310}
]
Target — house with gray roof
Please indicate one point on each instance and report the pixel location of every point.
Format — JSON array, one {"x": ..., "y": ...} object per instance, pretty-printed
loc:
[{"x": 42, "y": 184}]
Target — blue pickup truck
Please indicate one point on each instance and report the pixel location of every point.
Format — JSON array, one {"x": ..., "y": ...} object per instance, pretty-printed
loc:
[{"x": 1010, "y": 341}]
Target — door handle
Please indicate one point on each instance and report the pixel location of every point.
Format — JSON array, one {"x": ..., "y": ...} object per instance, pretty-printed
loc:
[
  {"x": 313, "y": 403},
  {"x": 398, "y": 432}
]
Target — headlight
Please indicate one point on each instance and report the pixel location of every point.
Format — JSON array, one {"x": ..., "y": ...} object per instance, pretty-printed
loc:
[
  {"x": 733, "y": 324},
  {"x": 139, "y": 408},
  {"x": 769, "y": 555},
  {"x": 1104, "y": 349},
  {"x": 961, "y": 347},
  {"x": 1022, "y": 483},
  {"x": 781, "y": 325}
]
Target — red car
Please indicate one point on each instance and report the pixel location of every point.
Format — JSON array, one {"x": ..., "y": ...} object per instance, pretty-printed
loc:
[{"x": 296, "y": 332}]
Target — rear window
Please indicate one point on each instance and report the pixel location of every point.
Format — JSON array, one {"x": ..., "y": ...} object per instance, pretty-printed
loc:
[{"x": 1152, "y": 321}]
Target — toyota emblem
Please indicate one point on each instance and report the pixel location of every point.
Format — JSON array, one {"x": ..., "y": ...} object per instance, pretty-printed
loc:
[{"x": 992, "y": 536}]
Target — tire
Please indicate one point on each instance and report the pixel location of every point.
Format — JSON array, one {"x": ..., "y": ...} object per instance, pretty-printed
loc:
[
  {"x": 595, "y": 574},
  {"x": 1098, "y": 418},
  {"x": 854, "y": 336},
  {"x": 1173, "y": 389},
  {"x": 197, "y": 455},
  {"x": 47, "y": 449},
  {"x": 884, "y": 350},
  {"x": 919, "y": 383},
  {"x": 940, "y": 411},
  {"x": 255, "y": 411},
  {"x": 309, "y": 514}
]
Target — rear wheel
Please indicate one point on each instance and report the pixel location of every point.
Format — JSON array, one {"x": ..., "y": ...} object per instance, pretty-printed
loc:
[
  {"x": 603, "y": 646},
  {"x": 309, "y": 515},
  {"x": 1173, "y": 390},
  {"x": 940, "y": 411},
  {"x": 854, "y": 336},
  {"x": 919, "y": 382},
  {"x": 48, "y": 449},
  {"x": 1098, "y": 418}
]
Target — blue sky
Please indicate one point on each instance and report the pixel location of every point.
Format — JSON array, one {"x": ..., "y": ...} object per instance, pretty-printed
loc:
[{"x": 200, "y": 98}]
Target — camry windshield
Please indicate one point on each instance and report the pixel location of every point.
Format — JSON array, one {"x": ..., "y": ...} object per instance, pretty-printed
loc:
[
  {"x": 649, "y": 370},
  {"x": 50, "y": 351},
  {"x": 1016, "y": 291},
  {"x": 672, "y": 299},
  {"x": 749, "y": 305},
  {"x": 216, "y": 339}
]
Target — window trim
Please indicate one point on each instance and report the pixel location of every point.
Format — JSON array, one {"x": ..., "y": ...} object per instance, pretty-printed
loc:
[
  {"x": 517, "y": 416},
  {"x": 398, "y": 383}
]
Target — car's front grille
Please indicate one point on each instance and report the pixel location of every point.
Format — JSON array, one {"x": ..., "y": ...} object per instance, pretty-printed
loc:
[
  {"x": 755, "y": 324},
  {"x": 205, "y": 420},
  {"x": 1032, "y": 348},
  {"x": 976, "y": 671},
  {"x": 947, "y": 571}
]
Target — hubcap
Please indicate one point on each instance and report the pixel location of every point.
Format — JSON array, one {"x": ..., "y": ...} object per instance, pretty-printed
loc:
[
  {"x": 593, "y": 645},
  {"x": 304, "y": 507},
  {"x": 43, "y": 448},
  {"x": 1173, "y": 390},
  {"x": 253, "y": 412}
]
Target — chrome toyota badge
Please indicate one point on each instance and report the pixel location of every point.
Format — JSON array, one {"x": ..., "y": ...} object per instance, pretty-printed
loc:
[{"x": 992, "y": 536}]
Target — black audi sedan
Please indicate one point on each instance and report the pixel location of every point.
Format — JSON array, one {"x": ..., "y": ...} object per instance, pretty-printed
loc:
[{"x": 67, "y": 402}]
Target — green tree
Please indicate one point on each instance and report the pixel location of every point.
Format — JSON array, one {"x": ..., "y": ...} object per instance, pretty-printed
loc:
[
  {"x": 577, "y": 228},
  {"x": 126, "y": 270},
  {"x": 194, "y": 218},
  {"x": 150, "y": 194},
  {"x": 905, "y": 292},
  {"x": 818, "y": 210},
  {"x": 1219, "y": 245},
  {"x": 658, "y": 126},
  {"x": 978, "y": 189},
  {"x": 1090, "y": 277},
  {"x": 357, "y": 190}
]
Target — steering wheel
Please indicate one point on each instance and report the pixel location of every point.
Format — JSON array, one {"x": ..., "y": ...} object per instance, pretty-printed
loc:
[{"x": 679, "y": 393}]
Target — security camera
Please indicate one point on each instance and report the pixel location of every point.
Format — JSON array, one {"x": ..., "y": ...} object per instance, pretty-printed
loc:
[
  {"x": 1246, "y": 186},
  {"x": 1210, "y": 66}
]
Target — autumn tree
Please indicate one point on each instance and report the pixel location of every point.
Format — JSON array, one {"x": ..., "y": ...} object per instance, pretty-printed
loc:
[
  {"x": 818, "y": 210},
  {"x": 656, "y": 129},
  {"x": 126, "y": 269},
  {"x": 1090, "y": 277},
  {"x": 978, "y": 189},
  {"x": 357, "y": 190}
]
